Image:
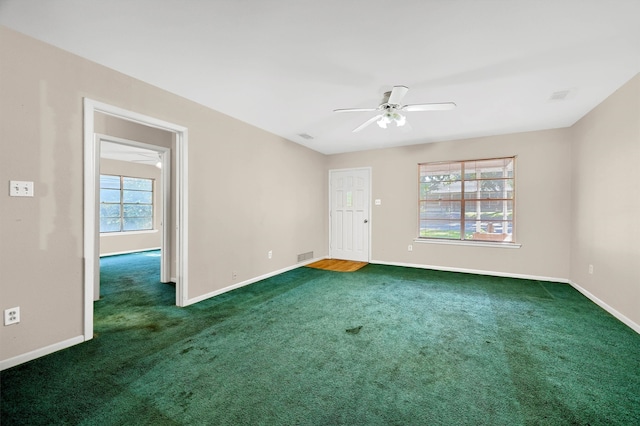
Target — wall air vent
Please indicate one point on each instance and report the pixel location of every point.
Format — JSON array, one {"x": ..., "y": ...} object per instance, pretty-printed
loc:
[
  {"x": 305, "y": 256},
  {"x": 560, "y": 95}
]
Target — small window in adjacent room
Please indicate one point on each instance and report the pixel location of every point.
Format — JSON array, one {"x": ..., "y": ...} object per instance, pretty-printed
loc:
[
  {"x": 467, "y": 200},
  {"x": 126, "y": 204}
]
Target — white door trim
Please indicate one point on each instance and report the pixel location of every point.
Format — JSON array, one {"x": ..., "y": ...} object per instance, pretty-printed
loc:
[
  {"x": 369, "y": 172},
  {"x": 165, "y": 188},
  {"x": 91, "y": 181}
]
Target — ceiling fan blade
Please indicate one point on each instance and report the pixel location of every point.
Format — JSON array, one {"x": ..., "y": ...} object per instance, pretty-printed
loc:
[
  {"x": 366, "y": 123},
  {"x": 429, "y": 107},
  {"x": 355, "y": 110},
  {"x": 397, "y": 93}
]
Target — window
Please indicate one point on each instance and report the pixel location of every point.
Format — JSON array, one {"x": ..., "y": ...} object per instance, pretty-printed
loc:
[
  {"x": 126, "y": 204},
  {"x": 467, "y": 200}
]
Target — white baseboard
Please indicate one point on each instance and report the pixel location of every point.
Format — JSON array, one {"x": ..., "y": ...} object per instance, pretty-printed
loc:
[
  {"x": 379, "y": 262},
  {"x": 631, "y": 324},
  {"x": 249, "y": 281},
  {"x": 20, "y": 359},
  {"x": 474, "y": 271}
]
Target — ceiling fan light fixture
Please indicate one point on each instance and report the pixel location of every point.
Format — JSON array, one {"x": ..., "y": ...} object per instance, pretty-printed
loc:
[
  {"x": 391, "y": 107},
  {"x": 392, "y": 117}
]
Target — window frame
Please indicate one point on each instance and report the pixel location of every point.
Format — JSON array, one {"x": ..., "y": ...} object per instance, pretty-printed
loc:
[
  {"x": 122, "y": 204},
  {"x": 508, "y": 239}
]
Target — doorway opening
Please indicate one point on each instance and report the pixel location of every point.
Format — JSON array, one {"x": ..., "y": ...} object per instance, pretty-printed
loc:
[
  {"x": 135, "y": 193},
  {"x": 134, "y": 198},
  {"x": 174, "y": 231}
]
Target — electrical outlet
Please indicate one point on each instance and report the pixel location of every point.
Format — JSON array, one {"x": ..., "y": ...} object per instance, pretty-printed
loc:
[
  {"x": 234, "y": 275},
  {"x": 12, "y": 316},
  {"x": 270, "y": 254},
  {"x": 591, "y": 269},
  {"x": 410, "y": 248}
]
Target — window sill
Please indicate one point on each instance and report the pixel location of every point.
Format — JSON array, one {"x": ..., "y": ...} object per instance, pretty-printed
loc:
[
  {"x": 507, "y": 245},
  {"x": 110, "y": 234}
]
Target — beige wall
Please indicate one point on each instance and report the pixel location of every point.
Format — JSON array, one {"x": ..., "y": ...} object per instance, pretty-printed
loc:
[
  {"x": 107, "y": 125},
  {"x": 249, "y": 191},
  {"x": 606, "y": 201},
  {"x": 123, "y": 242},
  {"x": 543, "y": 179}
]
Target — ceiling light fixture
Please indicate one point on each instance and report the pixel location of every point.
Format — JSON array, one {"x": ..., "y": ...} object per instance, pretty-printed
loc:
[
  {"x": 392, "y": 116},
  {"x": 390, "y": 109}
]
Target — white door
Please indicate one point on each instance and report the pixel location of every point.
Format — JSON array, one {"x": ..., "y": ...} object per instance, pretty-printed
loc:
[{"x": 349, "y": 214}]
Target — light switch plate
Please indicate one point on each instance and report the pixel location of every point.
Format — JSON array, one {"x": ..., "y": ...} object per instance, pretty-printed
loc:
[{"x": 20, "y": 188}]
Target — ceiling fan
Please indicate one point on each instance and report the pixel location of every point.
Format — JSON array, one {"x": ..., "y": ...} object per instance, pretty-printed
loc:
[{"x": 390, "y": 109}]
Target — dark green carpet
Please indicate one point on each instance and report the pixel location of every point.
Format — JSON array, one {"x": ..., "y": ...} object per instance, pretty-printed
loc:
[{"x": 384, "y": 345}]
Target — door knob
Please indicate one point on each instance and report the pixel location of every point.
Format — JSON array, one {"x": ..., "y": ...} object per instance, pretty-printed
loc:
[{"x": 366, "y": 221}]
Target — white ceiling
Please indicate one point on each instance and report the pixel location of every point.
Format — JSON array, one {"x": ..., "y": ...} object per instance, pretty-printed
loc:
[{"x": 284, "y": 65}]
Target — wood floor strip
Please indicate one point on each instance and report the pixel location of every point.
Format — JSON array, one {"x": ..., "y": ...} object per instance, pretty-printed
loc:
[{"x": 337, "y": 265}]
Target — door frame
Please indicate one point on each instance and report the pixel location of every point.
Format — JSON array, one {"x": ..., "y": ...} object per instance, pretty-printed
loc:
[
  {"x": 369, "y": 173},
  {"x": 91, "y": 190},
  {"x": 165, "y": 189}
]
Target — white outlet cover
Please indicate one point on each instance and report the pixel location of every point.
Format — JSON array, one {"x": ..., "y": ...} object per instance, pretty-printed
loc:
[{"x": 12, "y": 316}]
